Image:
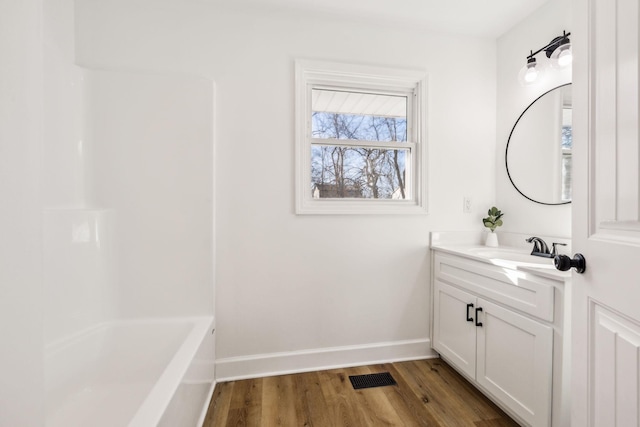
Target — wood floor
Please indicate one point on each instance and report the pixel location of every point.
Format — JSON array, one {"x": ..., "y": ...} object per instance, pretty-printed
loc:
[{"x": 429, "y": 393}]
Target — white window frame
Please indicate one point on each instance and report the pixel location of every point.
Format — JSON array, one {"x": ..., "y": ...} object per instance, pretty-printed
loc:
[{"x": 330, "y": 75}]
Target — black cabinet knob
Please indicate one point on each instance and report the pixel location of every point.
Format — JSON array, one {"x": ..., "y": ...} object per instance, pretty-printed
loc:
[{"x": 564, "y": 263}]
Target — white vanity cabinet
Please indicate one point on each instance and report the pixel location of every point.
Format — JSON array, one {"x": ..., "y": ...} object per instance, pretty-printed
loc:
[{"x": 497, "y": 326}]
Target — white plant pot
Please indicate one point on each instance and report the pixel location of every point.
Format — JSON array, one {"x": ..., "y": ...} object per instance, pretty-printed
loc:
[{"x": 491, "y": 240}]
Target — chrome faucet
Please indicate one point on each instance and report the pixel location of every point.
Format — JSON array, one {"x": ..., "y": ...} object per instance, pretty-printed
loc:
[{"x": 540, "y": 248}]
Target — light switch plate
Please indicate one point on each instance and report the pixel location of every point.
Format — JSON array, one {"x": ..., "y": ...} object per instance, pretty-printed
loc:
[{"x": 466, "y": 204}]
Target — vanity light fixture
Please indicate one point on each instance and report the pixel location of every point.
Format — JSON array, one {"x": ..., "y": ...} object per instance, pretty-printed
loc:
[{"x": 558, "y": 51}]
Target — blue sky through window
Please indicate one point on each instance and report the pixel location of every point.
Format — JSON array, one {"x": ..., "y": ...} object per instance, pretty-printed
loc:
[{"x": 358, "y": 172}]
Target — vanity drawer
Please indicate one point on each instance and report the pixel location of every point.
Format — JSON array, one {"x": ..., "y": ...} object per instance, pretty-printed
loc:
[{"x": 523, "y": 291}]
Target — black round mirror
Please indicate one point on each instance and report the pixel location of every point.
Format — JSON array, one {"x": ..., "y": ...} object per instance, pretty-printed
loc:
[{"x": 538, "y": 154}]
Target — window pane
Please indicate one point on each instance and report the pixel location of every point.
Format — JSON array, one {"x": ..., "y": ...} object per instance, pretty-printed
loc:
[
  {"x": 567, "y": 145},
  {"x": 566, "y": 176},
  {"x": 354, "y": 115},
  {"x": 358, "y": 172},
  {"x": 567, "y": 134},
  {"x": 567, "y": 137}
]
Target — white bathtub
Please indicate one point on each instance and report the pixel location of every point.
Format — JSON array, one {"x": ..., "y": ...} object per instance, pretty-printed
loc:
[{"x": 126, "y": 373}]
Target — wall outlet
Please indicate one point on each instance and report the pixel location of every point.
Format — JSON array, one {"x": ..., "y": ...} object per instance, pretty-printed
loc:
[{"x": 466, "y": 204}]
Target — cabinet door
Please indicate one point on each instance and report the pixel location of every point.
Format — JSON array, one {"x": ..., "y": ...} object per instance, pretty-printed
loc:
[
  {"x": 454, "y": 337},
  {"x": 515, "y": 362}
]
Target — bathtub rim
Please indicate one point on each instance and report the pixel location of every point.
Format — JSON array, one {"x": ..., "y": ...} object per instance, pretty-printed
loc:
[
  {"x": 155, "y": 403},
  {"x": 149, "y": 413}
]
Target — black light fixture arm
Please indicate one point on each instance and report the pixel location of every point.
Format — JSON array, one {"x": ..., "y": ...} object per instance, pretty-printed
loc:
[{"x": 553, "y": 45}]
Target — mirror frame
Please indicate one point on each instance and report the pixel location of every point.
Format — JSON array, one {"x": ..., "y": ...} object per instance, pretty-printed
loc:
[{"x": 506, "y": 152}]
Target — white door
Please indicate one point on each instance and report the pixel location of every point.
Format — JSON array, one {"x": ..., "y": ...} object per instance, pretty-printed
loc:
[
  {"x": 515, "y": 361},
  {"x": 606, "y": 217},
  {"x": 454, "y": 330}
]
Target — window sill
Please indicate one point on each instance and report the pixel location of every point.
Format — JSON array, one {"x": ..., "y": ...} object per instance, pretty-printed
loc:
[{"x": 360, "y": 207}]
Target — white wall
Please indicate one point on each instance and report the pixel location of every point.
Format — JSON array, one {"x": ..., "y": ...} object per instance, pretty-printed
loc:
[
  {"x": 288, "y": 283},
  {"x": 21, "y": 93},
  {"x": 522, "y": 215}
]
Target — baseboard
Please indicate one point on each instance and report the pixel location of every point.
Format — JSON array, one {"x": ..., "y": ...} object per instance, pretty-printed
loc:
[{"x": 262, "y": 365}]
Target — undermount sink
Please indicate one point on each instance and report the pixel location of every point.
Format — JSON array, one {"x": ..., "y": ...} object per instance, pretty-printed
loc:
[{"x": 510, "y": 255}]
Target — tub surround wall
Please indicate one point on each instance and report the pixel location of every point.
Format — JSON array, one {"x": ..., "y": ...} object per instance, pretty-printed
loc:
[
  {"x": 78, "y": 239},
  {"x": 522, "y": 215},
  {"x": 66, "y": 150},
  {"x": 139, "y": 243},
  {"x": 78, "y": 269},
  {"x": 129, "y": 191},
  {"x": 152, "y": 153}
]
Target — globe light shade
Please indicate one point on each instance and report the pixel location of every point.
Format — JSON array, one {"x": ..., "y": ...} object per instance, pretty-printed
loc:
[
  {"x": 531, "y": 73},
  {"x": 562, "y": 57}
]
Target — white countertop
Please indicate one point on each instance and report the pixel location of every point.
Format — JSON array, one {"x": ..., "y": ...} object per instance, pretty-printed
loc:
[{"x": 509, "y": 257}]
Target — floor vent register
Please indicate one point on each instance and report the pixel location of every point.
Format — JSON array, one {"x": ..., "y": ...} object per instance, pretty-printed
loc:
[{"x": 371, "y": 380}]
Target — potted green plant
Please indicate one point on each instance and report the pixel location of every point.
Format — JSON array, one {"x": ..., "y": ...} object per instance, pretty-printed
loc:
[{"x": 492, "y": 222}]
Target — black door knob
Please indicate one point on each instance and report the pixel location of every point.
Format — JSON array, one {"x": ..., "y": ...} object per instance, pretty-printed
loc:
[{"x": 564, "y": 263}]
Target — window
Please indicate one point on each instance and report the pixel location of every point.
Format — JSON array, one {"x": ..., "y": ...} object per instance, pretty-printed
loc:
[{"x": 360, "y": 145}]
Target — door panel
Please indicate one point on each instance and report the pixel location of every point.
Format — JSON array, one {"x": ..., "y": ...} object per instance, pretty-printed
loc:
[
  {"x": 453, "y": 336},
  {"x": 514, "y": 361},
  {"x": 606, "y": 213},
  {"x": 615, "y": 351}
]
